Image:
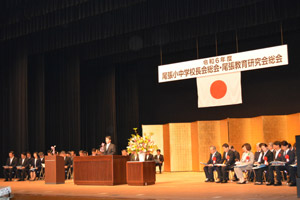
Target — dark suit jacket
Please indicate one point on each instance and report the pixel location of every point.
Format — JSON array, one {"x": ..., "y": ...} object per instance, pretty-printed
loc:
[
  {"x": 38, "y": 164},
  {"x": 291, "y": 155},
  {"x": 237, "y": 155},
  {"x": 25, "y": 163},
  {"x": 218, "y": 158},
  {"x": 231, "y": 160},
  {"x": 68, "y": 161},
  {"x": 161, "y": 158},
  {"x": 279, "y": 156},
  {"x": 150, "y": 157},
  {"x": 42, "y": 160},
  {"x": 269, "y": 156},
  {"x": 13, "y": 163},
  {"x": 133, "y": 158},
  {"x": 112, "y": 150},
  {"x": 30, "y": 161},
  {"x": 256, "y": 156}
]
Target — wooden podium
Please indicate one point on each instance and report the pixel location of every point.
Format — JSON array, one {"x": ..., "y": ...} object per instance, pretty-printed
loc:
[
  {"x": 100, "y": 170},
  {"x": 141, "y": 173},
  {"x": 54, "y": 170}
]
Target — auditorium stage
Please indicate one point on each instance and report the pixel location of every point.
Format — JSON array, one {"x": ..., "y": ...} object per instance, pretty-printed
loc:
[{"x": 176, "y": 185}]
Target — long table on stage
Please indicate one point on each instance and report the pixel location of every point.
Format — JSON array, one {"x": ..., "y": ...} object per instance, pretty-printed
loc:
[{"x": 100, "y": 170}]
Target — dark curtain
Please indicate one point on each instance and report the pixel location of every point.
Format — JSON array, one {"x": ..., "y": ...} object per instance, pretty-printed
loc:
[
  {"x": 62, "y": 100},
  {"x": 98, "y": 104},
  {"x": 127, "y": 102},
  {"x": 36, "y": 102}
]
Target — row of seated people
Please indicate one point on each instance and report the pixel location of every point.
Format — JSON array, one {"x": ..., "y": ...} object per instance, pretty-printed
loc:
[
  {"x": 24, "y": 167},
  {"x": 158, "y": 158},
  {"x": 276, "y": 157}
]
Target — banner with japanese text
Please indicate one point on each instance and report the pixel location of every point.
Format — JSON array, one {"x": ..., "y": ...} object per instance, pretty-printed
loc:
[{"x": 243, "y": 61}]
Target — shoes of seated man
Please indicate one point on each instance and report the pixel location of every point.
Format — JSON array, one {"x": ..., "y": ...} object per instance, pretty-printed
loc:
[
  {"x": 224, "y": 181},
  {"x": 258, "y": 183},
  {"x": 292, "y": 184},
  {"x": 242, "y": 182},
  {"x": 211, "y": 180},
  {"x": 218, "y": 181},
  {"x": 278, "y": 184},
  {"x": 21, "y": 180},
  {"x": 207, "y": 180},
  {"x": 5, "y": 180},
  {"x": 271, "y": 183}
]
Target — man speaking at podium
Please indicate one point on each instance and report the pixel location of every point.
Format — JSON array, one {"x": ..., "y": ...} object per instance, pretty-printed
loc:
[{"x": 109, "y": 149}]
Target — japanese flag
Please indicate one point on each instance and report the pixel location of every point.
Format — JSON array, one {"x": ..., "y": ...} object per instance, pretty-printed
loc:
[{"x": 219, "y": 90}]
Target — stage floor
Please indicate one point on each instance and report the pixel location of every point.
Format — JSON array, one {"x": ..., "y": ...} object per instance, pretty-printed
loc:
[{"x": 175, "y": 185}]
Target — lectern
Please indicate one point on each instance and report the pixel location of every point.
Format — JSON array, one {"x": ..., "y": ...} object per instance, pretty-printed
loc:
[
  {"x": 100, "y": 170},
  {"x": 54, "y": 170}
]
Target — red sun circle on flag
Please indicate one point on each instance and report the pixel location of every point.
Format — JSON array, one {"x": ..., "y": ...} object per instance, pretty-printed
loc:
[{"x": 218, "y": 89}]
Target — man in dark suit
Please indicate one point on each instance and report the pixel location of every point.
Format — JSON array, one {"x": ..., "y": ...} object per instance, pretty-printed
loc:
[
  {"x": 214, "y": 158},
  {"x": 288, "y": 158},
  {"x": 23, "y": 167},
  {"x": 159, "y": 159},
  {"x": 149, "y": 157},
  {"x": 42, "y": 157},
  {"x": 10, "y": 166},
  {"x": 68, "y": 162},
  {"x": 277, "y": 156},
  {"x": 109, "y": 148},
  {"x": 229, "y": 160},
  {"x": 265, "y": 159}
]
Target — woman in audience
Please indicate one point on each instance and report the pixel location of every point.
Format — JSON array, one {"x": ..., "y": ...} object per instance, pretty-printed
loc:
[
  {"x": 36, "y": 167},
  {"x": 245, "y": 164}
]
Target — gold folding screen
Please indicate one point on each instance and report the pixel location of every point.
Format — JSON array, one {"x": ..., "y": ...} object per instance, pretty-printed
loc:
[{"x": 185, "y": 145}]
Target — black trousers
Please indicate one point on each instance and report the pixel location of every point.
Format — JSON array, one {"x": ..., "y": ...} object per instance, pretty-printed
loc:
[
  {"x": 278, "y": 170},
  {"x": 21, "y": 173},
  {"x": 8, "y": 173},
  {"x": 159, "y": 166},
  {"x": 209, "y": 172},
  {"x": 293, "y": 172},
  {"x": 259, "y": 174},
  {"x": 223, "y": 174}
]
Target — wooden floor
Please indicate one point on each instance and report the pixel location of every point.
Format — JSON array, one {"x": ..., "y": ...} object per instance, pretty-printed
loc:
[{"x": 179, "y": 185}]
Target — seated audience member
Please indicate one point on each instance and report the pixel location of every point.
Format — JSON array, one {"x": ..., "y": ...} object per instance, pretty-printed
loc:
[
  {"x": 124, "y": 152},
  {"x": 277, "y": 156},
  {"x": 10, "y": 166},
  {"x": 159, "y": 159},
  {"x": 67, "y": 162},
  {"x": 246, "y": 163},
  {"x": 22, "y": 167},
  {"x": 293, "y": 148},
  {"x": 288, "y": 158},
  {"x": 134, "y": 157},
  {"x": 236, "y": 153},
  {"x": 49, "y": 153},
  {"x": 214, "y": 158},
  {"x": 149, "y": 157},
  {"x": 229, "y": 161},
  {"x": 293, "y": 169},
  {"x": 98, "y": 152},
  {"x": 29, "y": 157},
  {"x": 36, "y": 167},
  {"x": 81, "y": 153},
  {"x": 265, "y": 159},
  {"x": 94, "y": 153},
  {"x": 257, "y": 157},
  {"x": 270, "y": 147},
  {"x": 73, "y": 155},
  {"x": 42, "y": 157},
  {"x": 85, "y": 153}
]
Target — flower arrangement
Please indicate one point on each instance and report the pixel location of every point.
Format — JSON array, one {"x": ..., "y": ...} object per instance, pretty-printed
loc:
[{"x": 141, "y": 144}]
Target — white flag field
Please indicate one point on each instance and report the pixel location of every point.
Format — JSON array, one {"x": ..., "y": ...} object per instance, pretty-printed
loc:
[
  {"x": 219, "y": 78},
  {"x": 219, "y": 90}
]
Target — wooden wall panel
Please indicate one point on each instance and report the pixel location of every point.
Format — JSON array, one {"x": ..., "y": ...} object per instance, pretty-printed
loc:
[
  {"x": 275, "y": 128},
  {"x": 195, "y": 146},
  {"x": 211, "y": 133},
  {"x": 293, "y": 127},
  {"x": 245, "y": 130},
  {"x": 180, "y": 146},
  {"x": 167, "y": 152}
]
